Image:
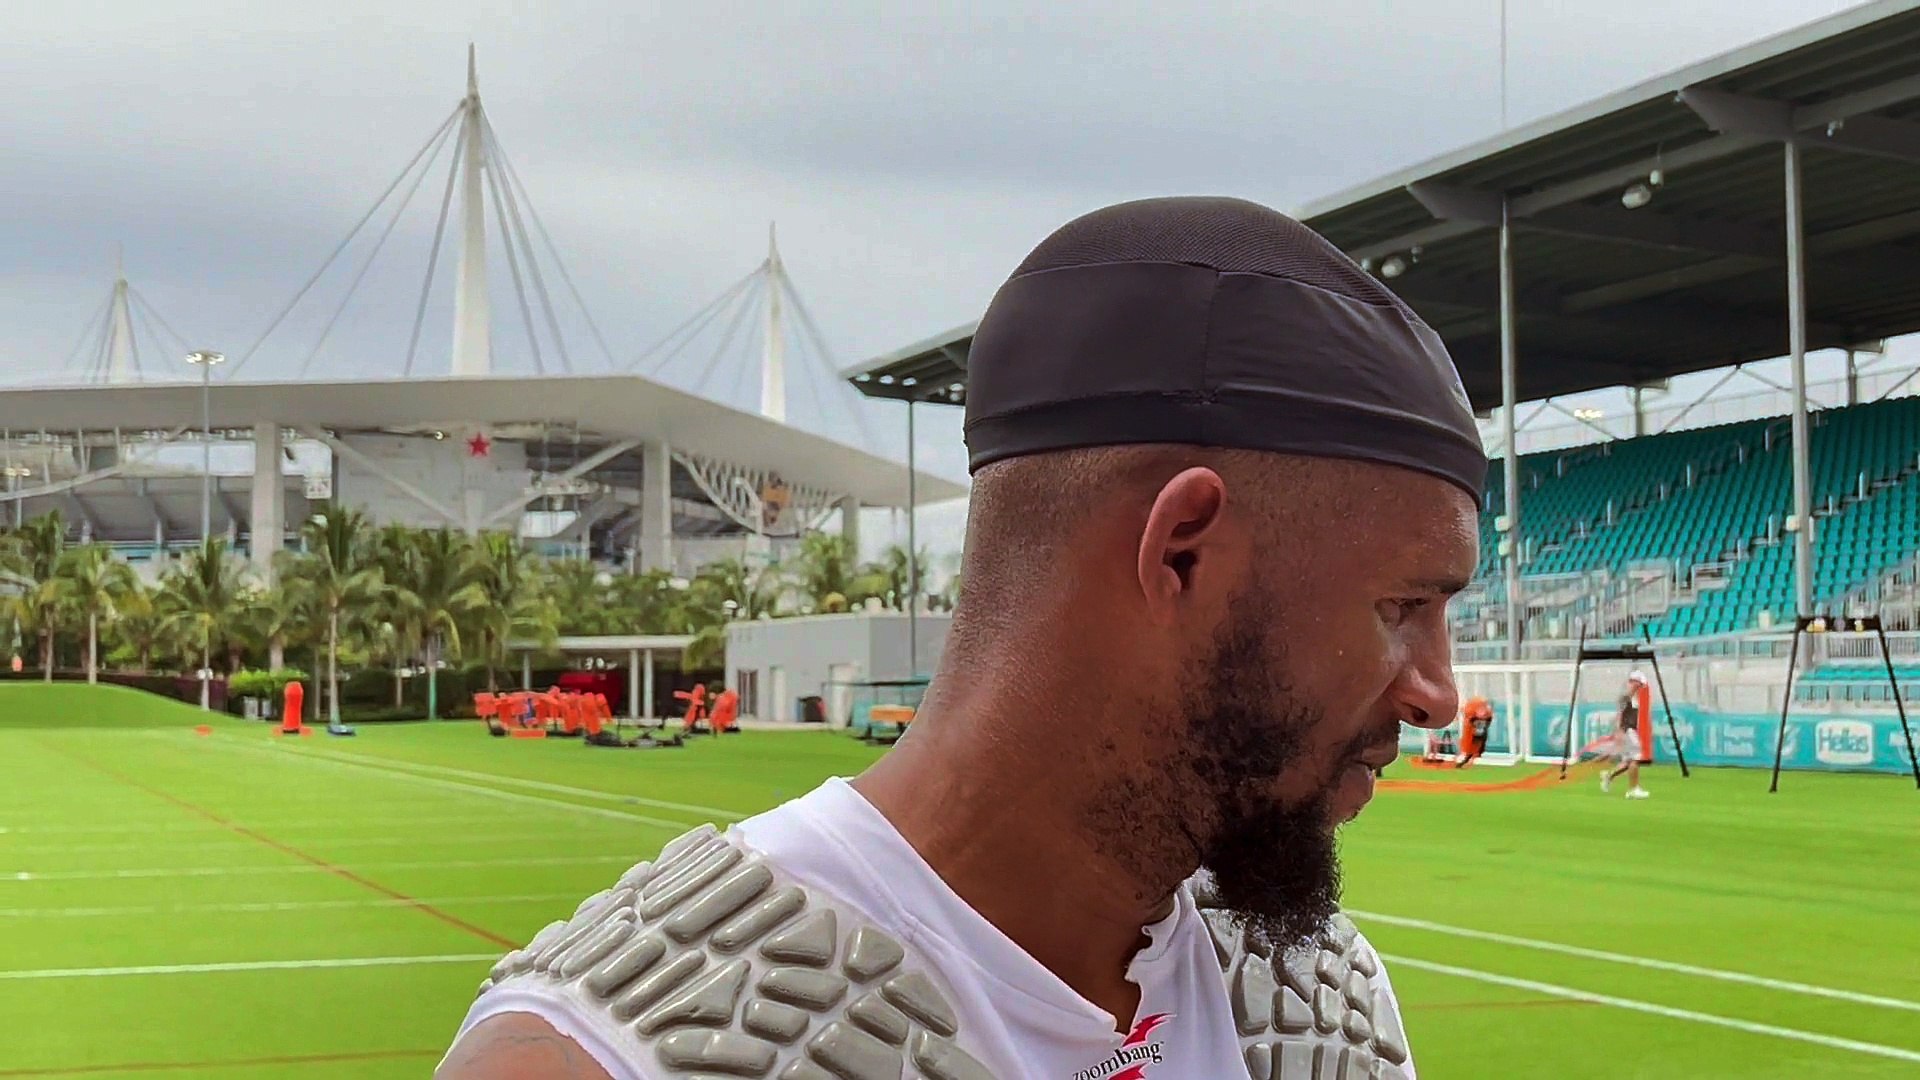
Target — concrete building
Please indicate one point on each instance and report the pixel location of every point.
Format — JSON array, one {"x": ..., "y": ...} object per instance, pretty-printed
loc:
[{"x": 774, "y": 663}]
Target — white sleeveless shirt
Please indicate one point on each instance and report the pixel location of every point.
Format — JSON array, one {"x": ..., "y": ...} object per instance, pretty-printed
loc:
[{"x": 649, "y": 978}]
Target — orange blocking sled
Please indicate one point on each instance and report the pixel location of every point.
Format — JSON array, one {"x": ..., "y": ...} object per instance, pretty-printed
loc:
[{"x": 293, "y": 701}]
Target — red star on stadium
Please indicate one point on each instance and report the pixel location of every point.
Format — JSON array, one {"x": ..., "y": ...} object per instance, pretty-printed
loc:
[{"x": 479, "y": 445}]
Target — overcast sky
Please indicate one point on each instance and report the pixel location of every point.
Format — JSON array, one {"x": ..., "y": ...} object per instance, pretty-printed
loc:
[{"x": 911, "y": 154}]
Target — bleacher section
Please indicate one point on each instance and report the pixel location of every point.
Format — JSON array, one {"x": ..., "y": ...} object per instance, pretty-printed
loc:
[
  {"x": 1856, "y": 683},
  {"x": 1711, "y": 506}
]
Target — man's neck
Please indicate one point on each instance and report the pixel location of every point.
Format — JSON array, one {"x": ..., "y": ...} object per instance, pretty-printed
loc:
[{"x": 1001, "y": 823}]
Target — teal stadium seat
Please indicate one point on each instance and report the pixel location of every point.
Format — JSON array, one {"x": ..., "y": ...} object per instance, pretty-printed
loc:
[{"x": 1741, "y": 490}]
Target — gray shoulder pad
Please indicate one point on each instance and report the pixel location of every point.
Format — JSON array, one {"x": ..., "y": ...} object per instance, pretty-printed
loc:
[
  {"x": 1314, "y": 1013},
  {"x": 710, "y": 962}
]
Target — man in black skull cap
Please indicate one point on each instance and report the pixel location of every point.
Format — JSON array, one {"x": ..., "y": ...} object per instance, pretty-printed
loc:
[{"x": 1224, "y": 484}]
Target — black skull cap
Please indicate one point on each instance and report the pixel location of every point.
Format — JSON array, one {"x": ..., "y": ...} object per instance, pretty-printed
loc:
[{"x": 1212, "y": 322}]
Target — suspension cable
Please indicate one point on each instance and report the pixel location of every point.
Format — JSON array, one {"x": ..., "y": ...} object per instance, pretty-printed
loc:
[
  {"x": 433, "y": 256},
  {"x": 399, "y": 209},
  {"x": 89, "y": 331},
  {"x": 513, "y": 177},
  {"x": 498, "y": 156},
  {"x": 513, "y": 266},
  {"x": 753, "y": 304},
  {"x": 704, "y": 316},
  {"x": 342, "y": 246}
]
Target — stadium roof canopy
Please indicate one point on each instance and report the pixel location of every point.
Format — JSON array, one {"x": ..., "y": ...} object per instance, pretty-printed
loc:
[
  {"x": 609, "y": 408},
  {"x": 1649, "y": 227}
]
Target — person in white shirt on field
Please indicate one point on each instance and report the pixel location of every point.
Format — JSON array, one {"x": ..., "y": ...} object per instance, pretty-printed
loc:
[
  {"x": 1224, "y": 485},
  {"x": 1623, "y": 750}
]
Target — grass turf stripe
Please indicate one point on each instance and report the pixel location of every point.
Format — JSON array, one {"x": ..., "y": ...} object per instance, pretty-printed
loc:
[
  {"x": 316, "y": 861},
  {"x": 318, "y": 964},
  {"x": 229, "y": 1063},
  {"x": 1641, "y": 961},
  {"x": 240, "y": 907},
  {"x": 1572, "y": 994}
]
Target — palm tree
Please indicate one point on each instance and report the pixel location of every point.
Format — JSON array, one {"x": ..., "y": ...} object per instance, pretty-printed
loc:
[
  {"x": 202, "y": 595},
  {"x": 584, "y": 595},
  {"x": 721, "y": 593},
  {"x": 825, "y": 573},
  {"x": 339, "y": 576},
  {"x": 138, "y": 625},
  {"x": 399, "y": 629},
  {"x": 896, "y": 568},
  {"x": 281, "y": 614},
  {"x": 441, "y": 567},
  {"x": 91, "y": 583},
  {"x": 652, "y": 602},
  {"x": 32, "y": 557},
  {"x": 502, "y": 601}
]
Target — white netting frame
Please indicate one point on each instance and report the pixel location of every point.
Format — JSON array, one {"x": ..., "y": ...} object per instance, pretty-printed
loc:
[{"x": 1533, "y": 729}]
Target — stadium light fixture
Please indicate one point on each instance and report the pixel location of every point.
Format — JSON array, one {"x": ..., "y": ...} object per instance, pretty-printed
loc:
[
  {"x": 1588, "y": 414},
  {"x": 1392, "y": 267},
  {"x": 1640, "y": 194}
]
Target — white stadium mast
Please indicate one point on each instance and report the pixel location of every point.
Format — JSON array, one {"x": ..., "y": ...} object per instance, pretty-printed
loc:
[
  {"x": 472, "y": 321},
  {"x": 773, "y": 361}
]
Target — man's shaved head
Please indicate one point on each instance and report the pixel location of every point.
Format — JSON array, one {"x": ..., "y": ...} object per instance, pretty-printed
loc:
[{"x": 1256, "y": 624}]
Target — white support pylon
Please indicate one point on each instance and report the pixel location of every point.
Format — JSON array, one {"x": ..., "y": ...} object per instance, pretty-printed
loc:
[
  {"x": 120, "y": 356},
  {"x": 472, "y": 318},
  {"x": 773, "y": 359}
]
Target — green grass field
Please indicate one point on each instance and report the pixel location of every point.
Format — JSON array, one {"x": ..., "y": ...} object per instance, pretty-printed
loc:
[{"x": 235, "y": 906}]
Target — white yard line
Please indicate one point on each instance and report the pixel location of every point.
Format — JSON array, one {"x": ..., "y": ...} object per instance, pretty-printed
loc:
[
  {"x": 382, "y": 817},
  {"x": 321, "y": 840},
  {"x": 1648, "y": 963},
  {"x": 340, "y": 762},
  {"x": 533, "y": 785},
  {"x": 296, "y": 868},
  {"x": 1569, "y": 993},
  {"x": 277, "y": 906},
  {"x": 249, "y": 965}
]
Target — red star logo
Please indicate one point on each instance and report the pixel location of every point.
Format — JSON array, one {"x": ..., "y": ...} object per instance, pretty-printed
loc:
[{"x": 479, "y": 445}]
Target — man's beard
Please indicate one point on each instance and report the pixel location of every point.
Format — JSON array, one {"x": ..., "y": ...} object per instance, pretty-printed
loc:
[{"x": 1274, "y": 864}]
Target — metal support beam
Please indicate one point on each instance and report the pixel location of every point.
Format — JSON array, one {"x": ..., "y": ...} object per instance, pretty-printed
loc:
[
  {"x": 656, "y": 507},
  {"x": 913, "y": 546},
  {"x": 1797, "y": 336},
  {"x": 405, "y": 487},
  {"x": 1739, "y": 114},
  {"x": 850, "y": 524},
  {"x": 1509, "y": 404},
  {"x": 633, "y": 682},
  {"x": 1807, "y": 119},
  {"x": 580, "y": 468},
  {"x": 1653, "y": 229},
  {"x": 267, "y": 525},
  {"x": 646, "y": 686}
]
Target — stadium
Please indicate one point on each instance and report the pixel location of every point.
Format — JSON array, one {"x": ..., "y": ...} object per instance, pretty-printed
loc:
[{"x": 1682, "y": 314}]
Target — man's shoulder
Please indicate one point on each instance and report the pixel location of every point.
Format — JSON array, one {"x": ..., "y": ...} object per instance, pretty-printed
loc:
[{"x": 713, "y": 960}]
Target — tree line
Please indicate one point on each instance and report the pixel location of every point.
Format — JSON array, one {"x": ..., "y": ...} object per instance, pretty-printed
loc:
[{"x": 352, "y": 596}]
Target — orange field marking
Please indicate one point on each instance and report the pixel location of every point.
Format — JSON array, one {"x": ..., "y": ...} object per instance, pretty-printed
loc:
[{"x": 1547, "y": 777}]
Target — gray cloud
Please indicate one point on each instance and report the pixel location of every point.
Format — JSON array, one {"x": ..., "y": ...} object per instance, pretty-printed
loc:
[{"x": 910, "y": 155}]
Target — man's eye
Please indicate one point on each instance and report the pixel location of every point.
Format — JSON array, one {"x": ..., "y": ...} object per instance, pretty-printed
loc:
[{"x": 1401, "y": 610}]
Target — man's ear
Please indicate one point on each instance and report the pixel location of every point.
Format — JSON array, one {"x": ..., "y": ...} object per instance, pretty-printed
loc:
[{"x": 1183, "y": 523}]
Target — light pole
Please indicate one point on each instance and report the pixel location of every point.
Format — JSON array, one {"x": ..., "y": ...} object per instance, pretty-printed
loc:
[{"x": 205, "y": 360}]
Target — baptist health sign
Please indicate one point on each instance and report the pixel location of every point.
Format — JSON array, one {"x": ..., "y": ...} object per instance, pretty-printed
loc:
[{"x": 1868, "y": 743}]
